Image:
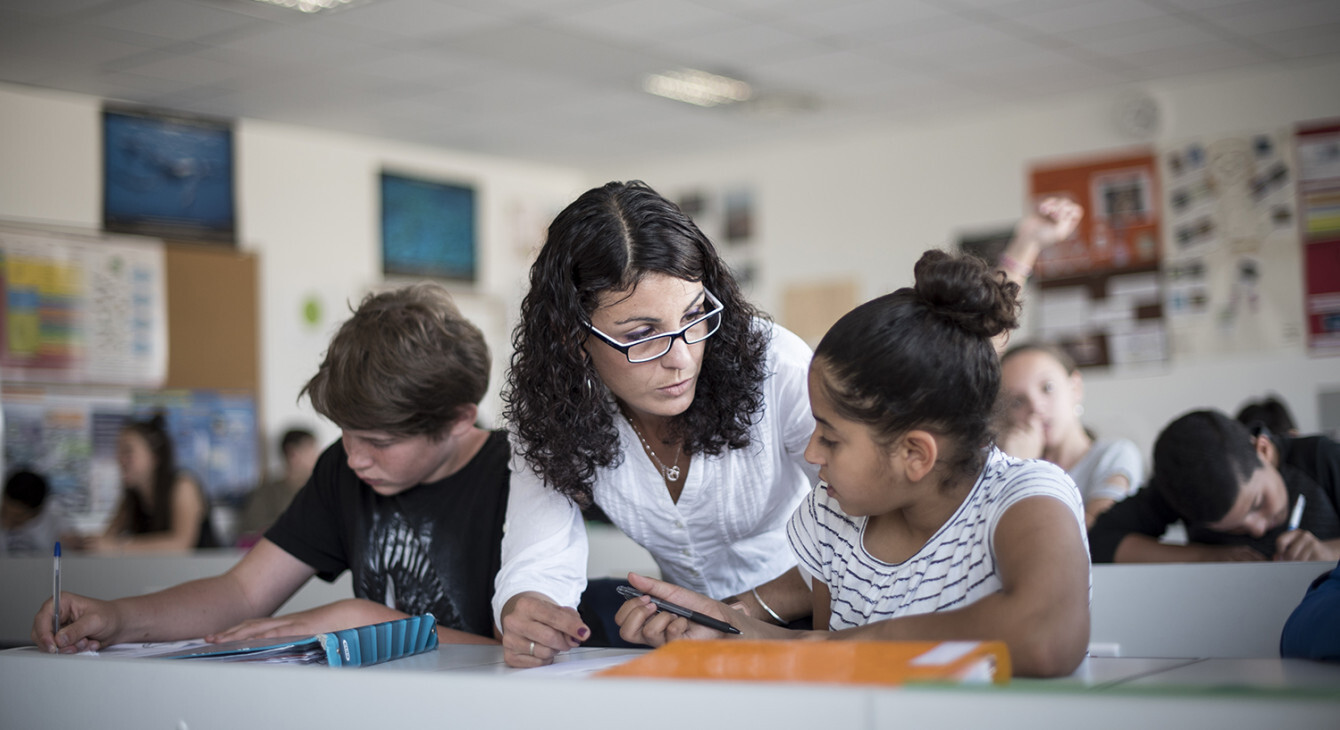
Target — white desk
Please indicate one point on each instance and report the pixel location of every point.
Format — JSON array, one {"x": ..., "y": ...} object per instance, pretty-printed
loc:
[{"x": 470, "y": 687}]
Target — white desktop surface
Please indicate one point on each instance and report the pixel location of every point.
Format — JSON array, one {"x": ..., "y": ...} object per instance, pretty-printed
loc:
[{"x": 470, "y": 687}]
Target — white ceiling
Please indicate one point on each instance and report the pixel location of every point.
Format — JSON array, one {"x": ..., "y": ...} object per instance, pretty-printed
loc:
[{"x": 559, "y": 80}]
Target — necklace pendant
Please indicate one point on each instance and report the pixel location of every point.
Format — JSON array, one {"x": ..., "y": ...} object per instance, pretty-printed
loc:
[{"x": 672, "y": 473}]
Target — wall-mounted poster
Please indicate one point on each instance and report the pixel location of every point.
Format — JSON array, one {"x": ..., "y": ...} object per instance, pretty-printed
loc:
[
  {"x": 82, "y": 310},
  {"x": 1319, "y": 199},
  {"x": 167, "y": 175},
  {"x": 1099, "y": 293},
  {"x": 428, "y": 228},
  {"x": 1231, "y": 262}
]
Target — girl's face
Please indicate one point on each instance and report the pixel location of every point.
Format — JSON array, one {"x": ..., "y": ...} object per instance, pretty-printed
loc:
[
  {"x": 1036, "y": 385},
  {"x": 854, "y": 467},
  {"x": 659, "y": 303},
  {"x": 136, "y": 460}
]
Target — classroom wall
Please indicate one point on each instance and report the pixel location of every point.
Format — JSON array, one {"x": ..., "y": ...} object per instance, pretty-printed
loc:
[
  {"x": 308, "y": 206},
  {"x": 872, "y": 202}
]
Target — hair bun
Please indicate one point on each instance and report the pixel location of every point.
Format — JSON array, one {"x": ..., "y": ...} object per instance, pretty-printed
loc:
[{"x": 965, "y": 291}]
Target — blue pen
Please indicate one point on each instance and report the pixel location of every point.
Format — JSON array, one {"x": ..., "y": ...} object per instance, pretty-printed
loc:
[{"x": 55, "y": 592}]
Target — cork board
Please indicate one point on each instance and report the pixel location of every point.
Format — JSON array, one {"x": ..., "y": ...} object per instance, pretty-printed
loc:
[
  {"x": 213, "y": 328},
  {"x": 810, "y": 309}
]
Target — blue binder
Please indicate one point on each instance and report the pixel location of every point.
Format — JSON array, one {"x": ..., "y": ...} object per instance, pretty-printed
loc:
[{"x": 357, "y": 647}]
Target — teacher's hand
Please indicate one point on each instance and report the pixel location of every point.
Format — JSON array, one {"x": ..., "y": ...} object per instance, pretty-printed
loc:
[{"x": 535, "y": 630}]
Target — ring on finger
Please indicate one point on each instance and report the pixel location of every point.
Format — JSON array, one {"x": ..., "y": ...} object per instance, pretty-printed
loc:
[{"x": 532, "y": 648}]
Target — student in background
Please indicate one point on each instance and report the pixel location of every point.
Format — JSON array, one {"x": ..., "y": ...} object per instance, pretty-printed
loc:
[
  {"x": 162, "y": 508},
  {"x": 1270, "y": 412},
  {"x": 410, "y": 500},
  {"x": 920, "y": 529},
  {"x": 1042, "y": 399},
  {"x": 1313, "y": 629},
  {"x": 268, "y": 501},
  {"x": 1234, "y": 490},
  {"x": 30, "y": 520},
  {"x": 644, "y": 383}
]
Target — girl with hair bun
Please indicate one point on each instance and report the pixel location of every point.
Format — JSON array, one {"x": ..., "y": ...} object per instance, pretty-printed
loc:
[{"x": 920, "y": 528}]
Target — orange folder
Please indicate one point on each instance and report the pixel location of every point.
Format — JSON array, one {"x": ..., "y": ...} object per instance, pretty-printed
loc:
[{"x": 838, "y": 662}]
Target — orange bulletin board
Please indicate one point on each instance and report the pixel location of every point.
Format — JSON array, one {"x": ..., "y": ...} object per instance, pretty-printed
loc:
[{"x": 1120, "y": 229}]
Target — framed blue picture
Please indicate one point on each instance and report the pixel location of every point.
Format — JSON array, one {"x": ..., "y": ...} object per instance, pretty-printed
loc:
[
  {"x": 428, "y": 228},
  {"x": 168, "y": 175}
]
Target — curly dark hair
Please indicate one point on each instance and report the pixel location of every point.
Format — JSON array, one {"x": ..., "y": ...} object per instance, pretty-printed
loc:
[
  {"x": 922, "y": 356},
  {"x": 608, "y": 240}
]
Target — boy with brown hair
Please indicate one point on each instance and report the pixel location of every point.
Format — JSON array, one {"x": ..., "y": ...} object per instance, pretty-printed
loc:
[{"x": 411, "y": 500}]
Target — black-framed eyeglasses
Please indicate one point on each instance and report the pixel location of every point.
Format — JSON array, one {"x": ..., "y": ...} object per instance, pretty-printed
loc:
[{"x": 650, "y": 348}]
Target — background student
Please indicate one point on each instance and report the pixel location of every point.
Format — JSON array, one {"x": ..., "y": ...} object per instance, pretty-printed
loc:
[
  {"x": 410, "y": 500},
  {"x": 31, "y": 521},
  {"x": 1234, "y": 490},
  {"x": 1270, "y": 412},
  {"x": 1042, "y": 398},
  {"x": 162, "y": 508},
  {"x": 920, "y": 529},
  {"x": 299, "y": 451}
]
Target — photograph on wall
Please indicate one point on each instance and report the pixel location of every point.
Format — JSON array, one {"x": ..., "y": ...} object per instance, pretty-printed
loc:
[
  {"x": 1231, "y": 250},
  {"x": 428, "y": 228},
  {"x": 168, "y": 175}
]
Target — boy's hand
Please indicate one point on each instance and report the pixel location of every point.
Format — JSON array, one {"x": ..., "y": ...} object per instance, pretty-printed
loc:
[
  {"x": 87, "y": 624},
  {"x": 1303, "y": 545}
]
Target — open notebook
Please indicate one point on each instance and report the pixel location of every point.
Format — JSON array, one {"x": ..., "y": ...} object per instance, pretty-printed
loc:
[{"x": 356, "y": 647}]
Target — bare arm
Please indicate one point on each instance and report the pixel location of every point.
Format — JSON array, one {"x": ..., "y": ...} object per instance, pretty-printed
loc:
[
  {"x": 1052, "y": 222},
  {"x": 256, "y": 586},
  {"x": 345, "y": 614},
  {"x": 1137, "y": 548},
  {"x": 1042, "y": 609},
  {"x": 787, "y": 596}
]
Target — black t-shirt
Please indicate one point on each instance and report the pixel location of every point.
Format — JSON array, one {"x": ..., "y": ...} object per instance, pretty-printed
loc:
[
  {"x": 433, "y": 548},
  {"x": 1309, "y": 466}
]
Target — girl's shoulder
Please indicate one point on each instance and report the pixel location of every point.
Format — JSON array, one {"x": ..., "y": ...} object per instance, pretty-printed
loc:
[{"x": 1006, "y": 477}]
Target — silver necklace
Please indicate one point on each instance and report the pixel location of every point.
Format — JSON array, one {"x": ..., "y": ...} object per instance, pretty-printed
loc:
[{"x": 670, "y": 474}]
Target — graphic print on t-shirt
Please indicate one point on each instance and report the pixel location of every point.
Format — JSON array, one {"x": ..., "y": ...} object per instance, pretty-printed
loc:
[{"x": 398, "y": 567}]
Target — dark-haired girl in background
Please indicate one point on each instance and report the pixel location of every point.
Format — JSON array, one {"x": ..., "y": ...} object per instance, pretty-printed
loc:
[
  {"x": 645, "y": 384},
  {"x": 920, "y": 528},
  {"x": 162, "y": 509}
]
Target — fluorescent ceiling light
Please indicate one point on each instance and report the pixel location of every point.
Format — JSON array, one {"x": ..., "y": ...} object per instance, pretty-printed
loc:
[
  {"x": 697, "y": 87},
  {"x": 308, "y": 6}
]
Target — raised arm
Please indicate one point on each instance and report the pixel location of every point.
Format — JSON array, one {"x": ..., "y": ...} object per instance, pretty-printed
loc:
[
  {"x": 1050, "y": 223},
  {"x": 256, "y": 586},
  {"x": 1042, "y": 609}
]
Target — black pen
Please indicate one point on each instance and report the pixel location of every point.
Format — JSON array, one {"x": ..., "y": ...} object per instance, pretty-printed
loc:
[{"x": 694, "y": 616}]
